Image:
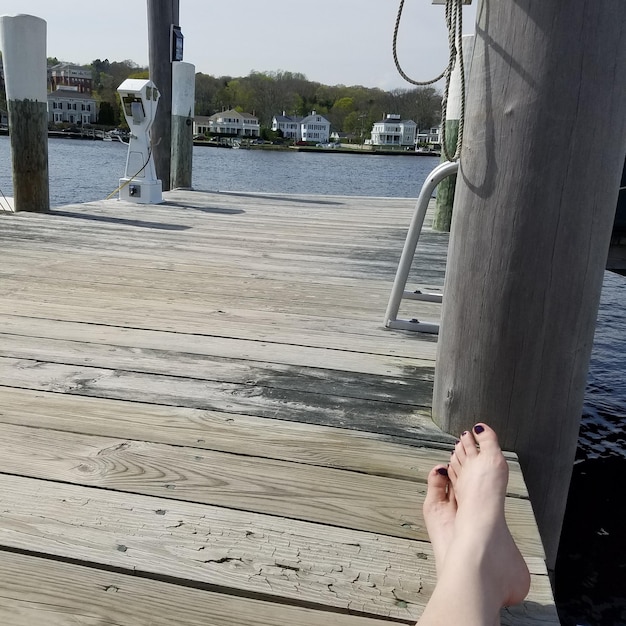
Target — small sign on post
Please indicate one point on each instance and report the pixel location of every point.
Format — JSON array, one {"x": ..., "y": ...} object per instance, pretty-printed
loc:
[{"x": 177, "y": 43}]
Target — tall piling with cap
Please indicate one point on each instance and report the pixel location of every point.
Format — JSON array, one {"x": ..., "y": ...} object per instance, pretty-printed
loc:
[
  {"x": 183, "y": 96},
  {"x": 23, "y": 42},
  {"x": 536, "y": 191},
  {"x": 454, "y": 112}
]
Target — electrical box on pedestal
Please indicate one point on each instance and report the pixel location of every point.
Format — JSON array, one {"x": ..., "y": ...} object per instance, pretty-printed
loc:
[{"x": 140, "y": 184}]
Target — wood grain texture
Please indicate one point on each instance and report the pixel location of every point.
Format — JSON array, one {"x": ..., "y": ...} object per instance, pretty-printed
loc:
[
  {"x": 324, "y": 495},
  {"x": 380, "y": 455}
]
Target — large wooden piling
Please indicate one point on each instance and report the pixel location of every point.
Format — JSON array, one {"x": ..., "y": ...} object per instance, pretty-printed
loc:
[
  {"x": 536, "y": 193},
  {"x": 183, "y": 96},
  {"x": 162, "y": 14},
  {"x": 24, "y": 57}
]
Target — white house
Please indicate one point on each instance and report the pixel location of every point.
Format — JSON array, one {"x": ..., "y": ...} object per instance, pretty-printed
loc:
[
  {"x": 68, "y": 104},
  {"x": 229, "y": 123},
  {"x": 313, "y": 127},
  {"x": 393, "y": 131},
  {"x": 431, "y": 135},
  {"x": 288, "y": 125}
]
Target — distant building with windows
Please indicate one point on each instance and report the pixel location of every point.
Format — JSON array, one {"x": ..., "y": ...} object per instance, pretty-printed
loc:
[
  {"x": 68, "y": 75},
  {"x": 393, "y": 131},
  {"x": 430, "y": 135},
  {"x": 313, "y": 127},
  {"x": 71, "y": 106},
  {"x": 288, "y": 125},
  {"x": 229, "y": 123}
]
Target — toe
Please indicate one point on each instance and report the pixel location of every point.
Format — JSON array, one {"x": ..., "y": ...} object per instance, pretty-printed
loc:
[
  {"x": 438, "y": 482},
  {"x": 459, "y": 451},
  {"x": 469, "y": 444},
  {"x": 486, "y": 438},
  {"x": 454, "y": 469}
]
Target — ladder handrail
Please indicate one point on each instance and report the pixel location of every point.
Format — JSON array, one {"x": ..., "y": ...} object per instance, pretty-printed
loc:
[{"x": 442, "y": 171}]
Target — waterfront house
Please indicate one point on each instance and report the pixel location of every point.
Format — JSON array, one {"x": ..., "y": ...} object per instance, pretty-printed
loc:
[
  {"x": 288, "y": 125},
  {"x": 229, "y": 123},
  {"x": 429, "y": 136},
  {"x": 316, "y": 128},
  {"x": 393, "y": 131},
  {"x": 313, "y": 127},
  {"x": 68, "y": 104}
]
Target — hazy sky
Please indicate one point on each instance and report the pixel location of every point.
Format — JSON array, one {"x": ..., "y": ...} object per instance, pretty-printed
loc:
[{"x": 330, "y": 41}]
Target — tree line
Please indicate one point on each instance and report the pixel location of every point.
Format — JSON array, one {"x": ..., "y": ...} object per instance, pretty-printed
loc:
[{"x": 350, "y": 109}]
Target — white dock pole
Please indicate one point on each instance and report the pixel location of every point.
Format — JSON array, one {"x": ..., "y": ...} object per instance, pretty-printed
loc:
[
  {"x": 445, "y": 193},
  {"x": 183, "y": 96},
  {"x": 23, "y": 42}
]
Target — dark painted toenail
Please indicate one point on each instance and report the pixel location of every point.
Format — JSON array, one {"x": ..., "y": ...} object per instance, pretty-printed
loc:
[
  {"x": 442, "y": 470},
  {"x": 457, "y": 442},
  {"x": 464, "y": 433},
  {"x": 478, "y": 429}
]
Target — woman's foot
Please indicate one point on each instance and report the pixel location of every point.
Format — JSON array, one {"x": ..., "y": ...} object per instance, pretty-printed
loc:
[
  {"x": 479, "y": 567},
  {"x": 479, "y": 474}
]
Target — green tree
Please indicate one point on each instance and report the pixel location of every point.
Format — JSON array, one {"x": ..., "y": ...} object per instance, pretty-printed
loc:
[{"x": 107, "y": 115}]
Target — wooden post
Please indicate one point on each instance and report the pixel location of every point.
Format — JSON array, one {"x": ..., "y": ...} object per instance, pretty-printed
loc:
[
  {"x": 445, "y": 191},
  {"x": 25, "y": 72},
  {"x": 183, "y": 96},
  {"x": 536, "y": 192},
  {"x": 161, "y": 15}
]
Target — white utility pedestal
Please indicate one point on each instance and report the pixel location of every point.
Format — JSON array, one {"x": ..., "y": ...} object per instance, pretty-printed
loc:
[{"x": 140, "y": 184}]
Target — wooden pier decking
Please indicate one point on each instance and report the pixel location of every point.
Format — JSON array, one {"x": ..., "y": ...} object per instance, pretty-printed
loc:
[{"x": 203, "y": 420}]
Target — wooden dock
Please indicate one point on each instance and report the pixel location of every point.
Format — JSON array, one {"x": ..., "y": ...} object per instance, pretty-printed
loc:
[{"x": 203, "y": 421}]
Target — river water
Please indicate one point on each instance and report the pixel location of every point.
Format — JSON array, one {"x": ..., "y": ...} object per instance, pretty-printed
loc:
[{"x": 591, "y": 569}]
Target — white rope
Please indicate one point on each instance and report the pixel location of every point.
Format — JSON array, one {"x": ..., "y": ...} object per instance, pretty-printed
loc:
[{"x": 454, "y": 23}]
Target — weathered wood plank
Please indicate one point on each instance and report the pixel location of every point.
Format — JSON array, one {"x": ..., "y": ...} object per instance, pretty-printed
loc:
[
  {"x": 328, "y": 496},
  {"x": 415, "y": 384},
  {"x": 227, "y": 432},
  {"x": 314, "y": 408},
  {"x": 355, "y": 306},
  {"x": 393, "y": 367},
  {"x": 240, "y": 434},
  {"x": 298, "y": 491},
  {"x": 52, "y": 593},
  {"x": 252, "y": 325},
  {"x": 258, "y": 554},
  {"x": 26, "y": 260}
]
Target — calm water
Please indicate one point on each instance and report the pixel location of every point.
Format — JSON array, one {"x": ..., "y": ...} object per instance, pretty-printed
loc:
[
  {"x": 591, "y": 571},
  {"x": 81, "y": 171}
]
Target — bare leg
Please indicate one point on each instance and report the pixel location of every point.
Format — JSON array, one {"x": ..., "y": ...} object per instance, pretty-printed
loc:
[{"x": 482, "y": 569}]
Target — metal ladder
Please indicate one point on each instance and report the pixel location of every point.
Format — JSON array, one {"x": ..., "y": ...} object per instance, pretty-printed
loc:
[{"x": 398, "y": 291}]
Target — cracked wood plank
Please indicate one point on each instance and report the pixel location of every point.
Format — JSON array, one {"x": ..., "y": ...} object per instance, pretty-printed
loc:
[
  {"x": 256, "y": 554},
  {"x": 41, "y": 591}
]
